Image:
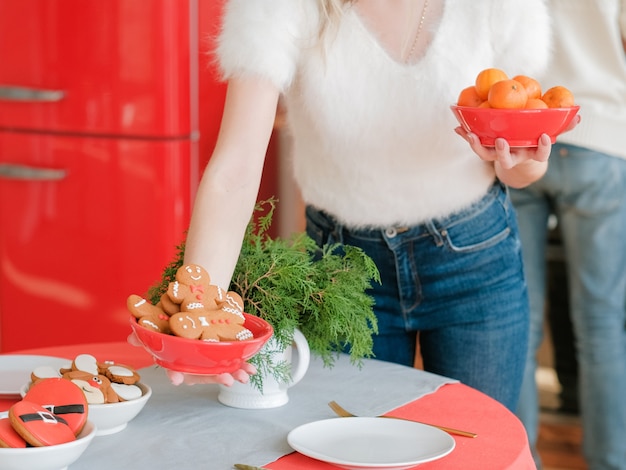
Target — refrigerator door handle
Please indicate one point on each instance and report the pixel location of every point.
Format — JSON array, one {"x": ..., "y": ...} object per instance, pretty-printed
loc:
[
  {"x": 22, "y": 172},
  {"x": 16, "y": 93}
]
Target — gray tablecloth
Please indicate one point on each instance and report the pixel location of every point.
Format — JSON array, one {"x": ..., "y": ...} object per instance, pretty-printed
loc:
[{"x": 185, "y": 427}]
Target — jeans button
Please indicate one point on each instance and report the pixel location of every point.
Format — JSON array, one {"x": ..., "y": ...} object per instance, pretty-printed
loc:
[{"x": 391, "y": 232}]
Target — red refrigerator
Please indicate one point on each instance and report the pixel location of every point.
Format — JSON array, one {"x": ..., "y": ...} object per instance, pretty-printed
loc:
[{"x": 105, "y": 109}]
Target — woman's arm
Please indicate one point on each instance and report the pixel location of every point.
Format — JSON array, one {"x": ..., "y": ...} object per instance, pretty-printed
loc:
[{"x": 229, "y": 186}]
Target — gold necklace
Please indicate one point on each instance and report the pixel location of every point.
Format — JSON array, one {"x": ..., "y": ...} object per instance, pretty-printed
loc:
[{"x": 420, "y": 26}]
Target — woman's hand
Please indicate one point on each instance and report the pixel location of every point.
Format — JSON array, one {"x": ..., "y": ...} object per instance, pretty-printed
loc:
[
  {"x": 517, "y": 167},
  {"x": 242, "y": 375},
  {"x": 502, "y": 152}
]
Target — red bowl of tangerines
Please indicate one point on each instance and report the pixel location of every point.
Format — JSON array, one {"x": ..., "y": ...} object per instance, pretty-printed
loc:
[{"x": 515, "y": 109}]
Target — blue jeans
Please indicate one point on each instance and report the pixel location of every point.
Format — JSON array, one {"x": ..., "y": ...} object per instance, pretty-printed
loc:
[
  {"x": 587, "y": 191},
  {"x": 458, "y": 281}
]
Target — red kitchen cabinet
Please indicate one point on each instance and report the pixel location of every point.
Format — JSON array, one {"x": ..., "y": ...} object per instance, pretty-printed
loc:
[
  {"x": 108, "y": 112},
  {"x": 96, "y": 226}
]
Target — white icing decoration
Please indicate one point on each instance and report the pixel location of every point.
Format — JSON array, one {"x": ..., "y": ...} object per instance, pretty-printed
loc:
[
  {"x": 233, "y": 311},
  {"x": 127, "y": 392},
  {"x": 86, "y": 363},
  {"x": 244, "y": 334},
  {"x": 193, "y": 323},
  {"x": 120, "y": 371},
  {"x": 44, "y": 372},
  {"x": 234, "y": 303},
  {"x": 150, "y": 323}
]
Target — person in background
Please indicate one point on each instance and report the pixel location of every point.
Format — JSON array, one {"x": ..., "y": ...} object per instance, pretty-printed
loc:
[
  {"x": 367, "y": 87},
  {"x": 586, "y": 185},
  {"x": 560, "y": 325}
]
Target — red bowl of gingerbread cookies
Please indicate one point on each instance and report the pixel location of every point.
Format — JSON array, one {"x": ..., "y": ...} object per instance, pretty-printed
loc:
[
  {"x": 196, "y": 327},
  {"x": 195, "y": 356}
]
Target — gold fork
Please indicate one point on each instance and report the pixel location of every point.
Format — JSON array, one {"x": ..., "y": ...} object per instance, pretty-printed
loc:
[{"x": 345, "y": 414}]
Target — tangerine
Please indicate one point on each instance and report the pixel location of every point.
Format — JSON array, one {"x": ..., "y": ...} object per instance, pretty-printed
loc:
[
  {"x": 558, "y": 97},
  {"x": 507, "y": 94},
  {"x": 486, "y": 78},
  {"x": 535, "y": 103},
  {"x": 469, "y": 97},
  {"x": 533, "y": 87}
]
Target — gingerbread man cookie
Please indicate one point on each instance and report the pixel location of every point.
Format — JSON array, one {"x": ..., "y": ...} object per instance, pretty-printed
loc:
[
  {"x": 152, "y": 317},
  {"x": 210, "y": 325},
  {"x": 96, "y": 388},
  {"x": 223, "y": 323},
  {"x": 192, "y": 289}
]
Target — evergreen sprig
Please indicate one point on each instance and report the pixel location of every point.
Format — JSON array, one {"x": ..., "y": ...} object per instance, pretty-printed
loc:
[{"x": 292, "y": 283}]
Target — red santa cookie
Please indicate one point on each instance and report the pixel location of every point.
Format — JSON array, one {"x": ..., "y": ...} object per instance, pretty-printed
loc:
[
  {"x": 9, "y": 438},
  {"x": 38, "y": 426},
  {"x": 62, "y": 398}
]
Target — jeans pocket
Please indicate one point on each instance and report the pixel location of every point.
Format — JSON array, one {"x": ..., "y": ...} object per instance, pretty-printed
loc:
[{"x": 486, "y": 227}]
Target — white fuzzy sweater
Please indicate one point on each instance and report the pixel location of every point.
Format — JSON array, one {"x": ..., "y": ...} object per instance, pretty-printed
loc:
[
  {"x": 373, "y": 139},
  {"x": 589, "y": 59}
]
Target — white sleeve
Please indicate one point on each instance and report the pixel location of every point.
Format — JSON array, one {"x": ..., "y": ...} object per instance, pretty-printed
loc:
[{"x": 264, "y": 38}]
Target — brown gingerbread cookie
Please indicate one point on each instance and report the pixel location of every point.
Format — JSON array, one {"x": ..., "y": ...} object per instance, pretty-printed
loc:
[
  {"x": 152, "y": 317},
  {"x": 44, "y": 372},
  {"x": 166, "y": 304},
  {"x": 96, "y": 387},
  {"x": 119, "y": 373},
  {"x": 192, "y": 289},
  {"x": 210, "y": 325}
]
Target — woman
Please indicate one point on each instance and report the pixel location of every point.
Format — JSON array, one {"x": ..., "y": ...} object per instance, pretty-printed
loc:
[{"x": 367, "y": 86}]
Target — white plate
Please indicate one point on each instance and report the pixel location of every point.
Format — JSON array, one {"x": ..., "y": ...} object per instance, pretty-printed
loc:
[
  {"x": 15, "y": 370},
  {"x": 360, "y": 443}
]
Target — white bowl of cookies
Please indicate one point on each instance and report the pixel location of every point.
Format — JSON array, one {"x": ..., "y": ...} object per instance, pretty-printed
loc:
[
  {"x": 52, "y": 457},
  {"x": 48, "y": 429},
  {"x": 113, "y": 392}
]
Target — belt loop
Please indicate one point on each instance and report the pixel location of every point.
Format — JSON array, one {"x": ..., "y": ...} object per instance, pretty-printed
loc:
[
  {"x": 430, "y": 226},
  {"x": 338, "y": 231}
]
